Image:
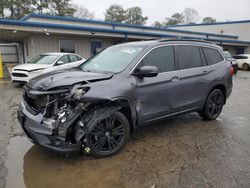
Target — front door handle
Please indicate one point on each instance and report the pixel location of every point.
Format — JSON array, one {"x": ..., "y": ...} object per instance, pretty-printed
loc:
[{"x": 175, "y": 79}]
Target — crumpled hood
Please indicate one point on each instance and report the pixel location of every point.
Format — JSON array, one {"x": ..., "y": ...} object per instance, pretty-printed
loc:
[
  {"x": 31, "y": 67},
  {"x": 62, "y": 78}
]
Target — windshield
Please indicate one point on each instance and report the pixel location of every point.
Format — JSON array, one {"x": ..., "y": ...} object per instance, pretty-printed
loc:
[
  {"x": 44, "y": 59},
  {"x": 227, "y": 54},
  {"x": 114, "y": 59}
]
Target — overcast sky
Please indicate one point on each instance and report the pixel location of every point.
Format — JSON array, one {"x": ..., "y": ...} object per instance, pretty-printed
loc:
[{"x": 157, "y": 10}]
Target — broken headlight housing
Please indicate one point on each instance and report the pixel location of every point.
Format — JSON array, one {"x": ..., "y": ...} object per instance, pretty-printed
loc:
[{"x": 77, "y": 92}]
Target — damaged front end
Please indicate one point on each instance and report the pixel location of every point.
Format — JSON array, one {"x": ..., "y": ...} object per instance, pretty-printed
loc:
[{"x": 60, "y": 119}]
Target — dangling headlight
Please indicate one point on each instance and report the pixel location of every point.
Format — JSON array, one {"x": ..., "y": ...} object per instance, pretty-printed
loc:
[{"x": 79, "y": 93}]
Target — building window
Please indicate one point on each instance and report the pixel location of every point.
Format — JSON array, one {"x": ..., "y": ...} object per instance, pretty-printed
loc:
[{"x": 67, "y": 46}]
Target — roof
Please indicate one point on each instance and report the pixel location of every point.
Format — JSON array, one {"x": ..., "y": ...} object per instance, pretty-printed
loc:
[
  {"x": 168, "y": 41},
  {"x": 57, "y": 53},
  {"x": 206, "y": 24},
  {"x": 115, "y": 24},
  {"x": 248, "y": 55},
  {"x": 115, "y": 28}
]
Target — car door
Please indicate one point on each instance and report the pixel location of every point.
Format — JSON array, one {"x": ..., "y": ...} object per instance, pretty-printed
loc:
[
  {"x": 75, "y": 60},
  {"x": 192, "y": 82},
  {"x": 65, "y": 60},
  {"x": 156, "y": 95}
]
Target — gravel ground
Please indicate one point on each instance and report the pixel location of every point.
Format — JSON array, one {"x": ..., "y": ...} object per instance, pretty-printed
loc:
[{"x": 180, "y": 152}]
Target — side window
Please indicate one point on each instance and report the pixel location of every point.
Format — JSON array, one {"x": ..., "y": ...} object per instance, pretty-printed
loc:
[
  {"x": 188, "y": 57},
  {"x": 65, "y": 59},
  {"x": 203, "y": 58},
  {"x": 162, "y": 58},
  {"x": 74, "y": 58},
  {"x": 213, "y": 56}
]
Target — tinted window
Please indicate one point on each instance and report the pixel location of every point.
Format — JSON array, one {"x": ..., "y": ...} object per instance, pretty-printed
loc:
[
  {"x": 162, "y": 58},
  {"x": 212, "y": 56},
  {"x": 74, "y": 58},
  {"x": 67, "y": 46},
  {"x": 203, "y": 58},
  {"x": 188, "y": 56},
  {"x": 64, "y": 59}
]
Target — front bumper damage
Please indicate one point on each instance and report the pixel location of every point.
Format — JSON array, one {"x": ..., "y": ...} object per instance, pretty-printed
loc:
[
  {"x": 43, "y": 136},
  {"x": 66, "y": 131}
]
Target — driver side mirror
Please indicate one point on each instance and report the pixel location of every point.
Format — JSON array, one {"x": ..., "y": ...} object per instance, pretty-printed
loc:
[
  {"x": 59, "y": 63},
  {"x": 146, "y": 71}
]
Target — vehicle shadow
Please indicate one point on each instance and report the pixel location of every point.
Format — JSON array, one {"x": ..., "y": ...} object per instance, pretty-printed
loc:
[{"x": 158, "y": 144}]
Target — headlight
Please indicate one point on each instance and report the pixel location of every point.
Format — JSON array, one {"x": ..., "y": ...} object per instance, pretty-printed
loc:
[{"x": 36, "y": 72}]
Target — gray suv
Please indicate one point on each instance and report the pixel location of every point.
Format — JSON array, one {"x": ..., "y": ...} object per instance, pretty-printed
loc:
[{"x": 95, "y": 107}]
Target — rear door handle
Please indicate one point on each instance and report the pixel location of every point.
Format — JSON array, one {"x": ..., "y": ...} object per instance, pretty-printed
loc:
[
  {"x": 175, "y": 79},
  {"x": 204, "y": 72}
]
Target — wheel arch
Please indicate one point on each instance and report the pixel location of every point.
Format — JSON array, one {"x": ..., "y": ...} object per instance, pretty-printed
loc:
[
  {"x": 223, "y": 90},
  {"x": 128, "y": 110}
]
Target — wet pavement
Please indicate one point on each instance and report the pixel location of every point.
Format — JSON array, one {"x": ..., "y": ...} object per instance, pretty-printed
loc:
[{"x": 179, "y": 152}]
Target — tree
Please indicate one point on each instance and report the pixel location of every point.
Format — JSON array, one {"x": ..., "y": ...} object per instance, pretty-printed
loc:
[
  {"x": 83, "y": 12},
  {"x": 3, "y": 6},
  {"x": 42, "y": 6},
  {"x": 134, "y": 16},
  {"x": 209, "y": 20},
  {"x": 190, "y": 15},
  {"x": 115, "y": 13},
  {"x": 19, "y": 8},
  {"x": 158, "y": 24},
  {"x": 175, "y": 19},
  {"x": 61, "y": 7}
]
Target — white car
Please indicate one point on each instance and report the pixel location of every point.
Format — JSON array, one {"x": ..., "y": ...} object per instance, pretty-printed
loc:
[
  {"x": 45, "y": 63},
  {"x": 243, "y": 61}
]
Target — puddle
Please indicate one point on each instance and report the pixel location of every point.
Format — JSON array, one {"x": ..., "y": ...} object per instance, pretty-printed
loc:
[{"x": 31, "y": 166}]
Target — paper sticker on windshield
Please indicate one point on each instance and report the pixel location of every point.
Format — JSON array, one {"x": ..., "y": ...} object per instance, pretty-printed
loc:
[{"x": 129, "y": 50}]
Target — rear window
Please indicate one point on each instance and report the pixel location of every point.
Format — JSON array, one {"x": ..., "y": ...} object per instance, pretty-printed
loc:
[
  {"x": 188, "y": 57},
  {"x": 240, "y": 57},
  {"x": 213, "y": 56}
]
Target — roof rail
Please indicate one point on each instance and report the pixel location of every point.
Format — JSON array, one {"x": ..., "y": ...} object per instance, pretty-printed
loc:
[{"x": 188, "y": 40}]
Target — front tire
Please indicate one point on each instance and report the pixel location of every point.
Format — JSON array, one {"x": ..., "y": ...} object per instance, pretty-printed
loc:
[
  {"x": 245, "y": 67},
  {"x": 109, "y": 135},
  {"x": 213, "y": 105}
]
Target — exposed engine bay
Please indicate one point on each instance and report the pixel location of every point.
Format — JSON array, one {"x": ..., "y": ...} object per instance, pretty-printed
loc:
[{"x": 66, "y": 117}]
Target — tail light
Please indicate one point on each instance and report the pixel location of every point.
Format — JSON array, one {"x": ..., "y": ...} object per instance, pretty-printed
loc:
[{"x": 231, "y": 71}]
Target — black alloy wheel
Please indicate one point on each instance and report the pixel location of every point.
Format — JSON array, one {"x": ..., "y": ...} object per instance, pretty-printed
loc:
[
  {"x": 213, "y": 106},
  {"x": 109, "y": 135}
]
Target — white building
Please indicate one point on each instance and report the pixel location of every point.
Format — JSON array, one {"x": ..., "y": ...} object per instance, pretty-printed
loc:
[
  {"x": 238, "y": 28},
  {"x": 35, "y": 34}
]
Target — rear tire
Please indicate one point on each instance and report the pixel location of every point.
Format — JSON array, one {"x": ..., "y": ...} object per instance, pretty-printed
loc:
[
  {"x": 213, "y": 105},
  {"x": 245, "y": 66},
  {"x": 109, "y": 135}
]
